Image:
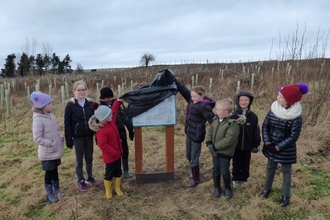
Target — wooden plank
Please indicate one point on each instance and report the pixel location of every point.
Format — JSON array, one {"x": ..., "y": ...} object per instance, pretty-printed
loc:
[
  {"x": 138, "y": 150},
  {"x": 169, "y": 148},
  {"x": 153, "y": 177}
]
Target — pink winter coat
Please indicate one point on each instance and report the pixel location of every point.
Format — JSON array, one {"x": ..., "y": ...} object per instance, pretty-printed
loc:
[{"x": 47, "y": 134}]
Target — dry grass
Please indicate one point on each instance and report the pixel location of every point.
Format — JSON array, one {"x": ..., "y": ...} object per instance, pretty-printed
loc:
[{"x": 21, "y": 179}]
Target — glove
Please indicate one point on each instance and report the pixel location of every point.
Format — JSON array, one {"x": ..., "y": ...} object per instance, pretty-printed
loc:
[
  {"x": 255, "y": 150},
  {"x": 131, "y": 135},
  {"x": 210, "y": 147},
  {"x": 69, "y": 146},
  {"x": 271, "y": 148}
]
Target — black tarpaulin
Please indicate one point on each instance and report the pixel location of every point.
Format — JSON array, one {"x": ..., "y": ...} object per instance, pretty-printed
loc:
[{"x": 146, "y": 97}]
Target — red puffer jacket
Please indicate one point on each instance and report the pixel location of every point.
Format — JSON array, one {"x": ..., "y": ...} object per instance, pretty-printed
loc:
[{"x": 108, "y": 138}]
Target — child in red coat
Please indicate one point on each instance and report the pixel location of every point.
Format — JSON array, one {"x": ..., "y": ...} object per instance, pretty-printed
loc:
[{"x": 108, "y": 139}]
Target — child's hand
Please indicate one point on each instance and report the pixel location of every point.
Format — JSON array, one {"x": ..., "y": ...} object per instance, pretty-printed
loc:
[
  {"x": 120, "y": 100},
  {"x": 211, "y": 148}
]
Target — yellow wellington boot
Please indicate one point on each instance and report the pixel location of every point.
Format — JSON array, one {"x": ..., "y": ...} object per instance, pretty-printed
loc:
[
  {"x": 117, "y": 186},
  {"x": 108, "y": 189}
]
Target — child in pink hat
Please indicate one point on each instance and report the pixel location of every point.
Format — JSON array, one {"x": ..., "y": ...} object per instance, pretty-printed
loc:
[{"x": 47, "y": 134}]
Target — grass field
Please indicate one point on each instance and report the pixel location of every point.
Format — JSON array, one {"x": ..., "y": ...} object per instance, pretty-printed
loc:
[{"x": 21, "y": 178}]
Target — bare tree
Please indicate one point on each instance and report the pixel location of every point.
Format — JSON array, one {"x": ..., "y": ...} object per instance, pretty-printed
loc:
[
  {"x": 47, "y": 53},
  {"x": 29, "y": 48},
  {"x": 146, "y": 59},
  {"x": 80, "y": 68}
]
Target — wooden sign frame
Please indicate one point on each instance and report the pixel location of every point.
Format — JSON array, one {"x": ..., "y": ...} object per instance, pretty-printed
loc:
[{"x": 140, "y": 176}]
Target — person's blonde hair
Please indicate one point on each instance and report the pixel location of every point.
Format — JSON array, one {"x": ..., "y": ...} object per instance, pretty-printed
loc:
[
  {"x": 226, "y": 104},
  {"x": 80, "y": 82},
  {"x": 200, "y": 90},
  {"x": 38, "y": 110}
]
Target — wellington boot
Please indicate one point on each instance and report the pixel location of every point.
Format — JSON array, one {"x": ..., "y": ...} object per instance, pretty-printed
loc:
[
  {"x": 228, "y": 190},
  {"x": 50, "y": 194},
  {"x": 127, "y": 174},
  {"x": 56, "y": 187},
  {"x": 195, "y": 173},
  {"x": 217, "y": 187},
  {"x": 117, "y": 189},
  {"x": 108, "y": 189},
  {"x": 228, "y": 193}
]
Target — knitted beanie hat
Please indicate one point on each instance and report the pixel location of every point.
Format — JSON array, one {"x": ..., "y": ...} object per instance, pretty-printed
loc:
[
  {"x": 39, "y": 99},
  {"x": 293, "y": 93},
  {"x": 101, "y": 112},
  {"x": 106, "y": 92}
]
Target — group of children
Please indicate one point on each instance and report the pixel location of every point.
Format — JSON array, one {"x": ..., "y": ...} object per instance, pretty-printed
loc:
[
  {"x": 233, "y": 134},
  {"x": 82, "y": 119}
]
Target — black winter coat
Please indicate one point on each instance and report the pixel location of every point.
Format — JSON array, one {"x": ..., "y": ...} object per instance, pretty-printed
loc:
[
  {"x": 250, "y": 132},
  {"x": 197, "y": 114},
  {"x": 76, "y": 120},
  {"x": 283, "y": 134}
]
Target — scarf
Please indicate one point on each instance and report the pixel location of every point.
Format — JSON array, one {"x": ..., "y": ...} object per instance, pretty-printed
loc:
[{"x": 293, "y": 112}]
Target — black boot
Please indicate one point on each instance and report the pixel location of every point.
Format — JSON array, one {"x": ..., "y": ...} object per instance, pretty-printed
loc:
[
  {"x": 285, "y": 201},
  {"x": 228, "y": 191},
  {"x": 217, "y": 186},
  {"x": 125, "y": 168},
  {"x": 195, "y": 173},
  {"x": 264, "y": 194}
]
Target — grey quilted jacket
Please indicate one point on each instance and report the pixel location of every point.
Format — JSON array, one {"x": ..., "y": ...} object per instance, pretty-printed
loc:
[{"x": 47, "y": 134}]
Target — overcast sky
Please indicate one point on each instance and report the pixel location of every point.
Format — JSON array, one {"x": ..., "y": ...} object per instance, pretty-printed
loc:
[{"x": 116, "y": 33}]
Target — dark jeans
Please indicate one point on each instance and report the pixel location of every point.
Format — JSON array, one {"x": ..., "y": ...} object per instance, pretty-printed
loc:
[
  {"x": 241, "y": 165},
  {"x": 221, "y": 166},
  {"x": 84, "y": 149},
  {"x": 124, "y": 145}
]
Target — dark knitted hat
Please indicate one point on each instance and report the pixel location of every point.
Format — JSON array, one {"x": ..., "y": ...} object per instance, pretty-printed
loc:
[{"x": 106, "y": 92}]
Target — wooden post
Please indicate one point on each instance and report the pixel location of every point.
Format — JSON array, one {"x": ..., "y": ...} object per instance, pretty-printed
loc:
[
  {"x": 169, "y": 148},
  {"x": 138, "y": 150}
]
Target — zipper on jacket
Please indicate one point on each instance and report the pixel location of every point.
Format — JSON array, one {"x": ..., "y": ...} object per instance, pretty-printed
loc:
[
  {"x": 188, "y": 116},
  {"x": 76, "y": 128},
  {"x": 243, "y": 137},
  {"x": 214, "y": 138},
  {"x": 85, "y": 120}
]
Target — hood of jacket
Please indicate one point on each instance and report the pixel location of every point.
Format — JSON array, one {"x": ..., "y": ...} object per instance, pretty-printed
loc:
[
  {"x": 73, "y": 100},
  {"x": 238, "y": 108},
  {"x": 240, "y": 119},
  {"x": 93, "y": 124}
]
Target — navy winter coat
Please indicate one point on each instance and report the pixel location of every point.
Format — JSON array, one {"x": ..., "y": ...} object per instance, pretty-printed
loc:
[
  {"x": 283, "y": 134},
  {"x": 197, "y": 114},
  {"x": 76, "y": 120},
  {"x": 249, "y": 137}
]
